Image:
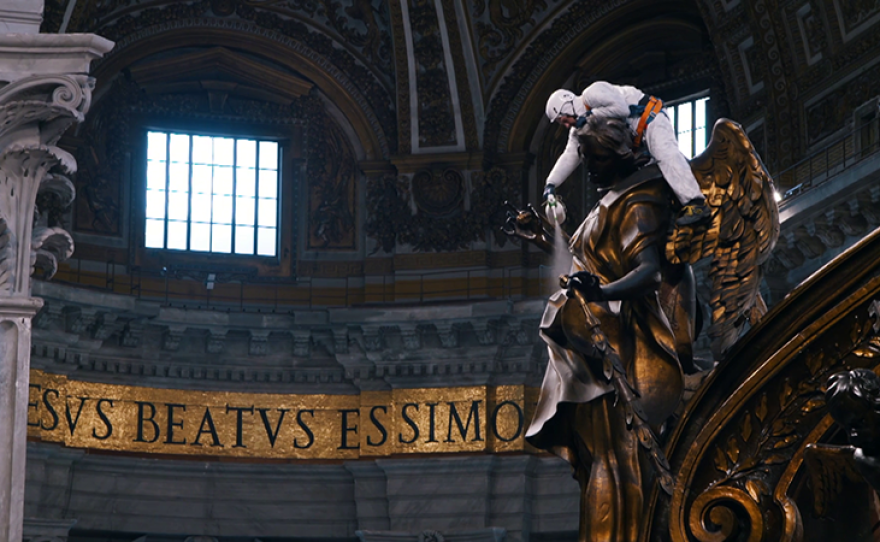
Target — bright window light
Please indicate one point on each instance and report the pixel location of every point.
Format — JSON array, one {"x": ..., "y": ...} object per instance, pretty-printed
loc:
[
  {"x": 690, "y": 120},
  {"x": 211, "y": 194}
]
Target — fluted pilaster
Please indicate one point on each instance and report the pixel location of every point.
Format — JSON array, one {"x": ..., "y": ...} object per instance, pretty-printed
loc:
[{"x": 44, "y": 89}]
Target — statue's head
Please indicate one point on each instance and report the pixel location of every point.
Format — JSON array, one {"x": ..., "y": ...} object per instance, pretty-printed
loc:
[
  {"x": 607, "y": 147},
  {"x": 853, "y": 399}
]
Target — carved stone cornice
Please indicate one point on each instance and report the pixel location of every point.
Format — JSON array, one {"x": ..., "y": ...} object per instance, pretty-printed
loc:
[
  {"x": 125, "y": 340},
  {"x": 822, "y": 220}
]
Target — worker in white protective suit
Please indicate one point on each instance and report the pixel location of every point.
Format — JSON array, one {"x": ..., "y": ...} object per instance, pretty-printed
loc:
[{"x": 651, "y": 128}]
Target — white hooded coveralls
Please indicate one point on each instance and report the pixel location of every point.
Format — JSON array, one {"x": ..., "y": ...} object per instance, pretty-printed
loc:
[{"x": 607, "y": 100}]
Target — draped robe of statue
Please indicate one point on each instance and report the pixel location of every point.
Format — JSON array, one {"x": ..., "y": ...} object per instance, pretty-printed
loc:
[{"x": 577, "y": 416}]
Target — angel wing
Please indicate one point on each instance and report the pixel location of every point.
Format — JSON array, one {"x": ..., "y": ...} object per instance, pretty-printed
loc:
[
  {"x": 741, "y": 235},
  {"x": 828, "y": 466}
]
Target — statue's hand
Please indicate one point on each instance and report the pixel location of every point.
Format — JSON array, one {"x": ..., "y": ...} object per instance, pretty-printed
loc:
[
  {"x": 584, "y": 282},
  {"x": 522, "y": 223}
]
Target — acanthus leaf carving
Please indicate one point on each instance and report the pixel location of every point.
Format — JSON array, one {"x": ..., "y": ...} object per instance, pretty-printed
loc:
[
  {"x": 49, "y": 246},
  {"x": 23, "y": 167}
]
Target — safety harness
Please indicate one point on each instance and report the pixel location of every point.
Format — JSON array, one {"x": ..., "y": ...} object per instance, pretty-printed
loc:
[{"x": 648, "y": 108}]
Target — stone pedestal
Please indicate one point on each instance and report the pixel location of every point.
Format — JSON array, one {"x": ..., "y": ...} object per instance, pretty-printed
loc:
[{"x": 44, "y": 89}]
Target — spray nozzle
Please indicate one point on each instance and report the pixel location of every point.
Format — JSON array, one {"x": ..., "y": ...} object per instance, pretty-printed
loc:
[{"x": 554, "y": 209}]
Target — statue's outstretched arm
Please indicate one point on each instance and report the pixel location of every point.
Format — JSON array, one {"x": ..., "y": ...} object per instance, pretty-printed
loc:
[
  {"x": 644, "y": 278},
  {"x": 532, "y": 226},
  {"x": 641, "y": 280}
]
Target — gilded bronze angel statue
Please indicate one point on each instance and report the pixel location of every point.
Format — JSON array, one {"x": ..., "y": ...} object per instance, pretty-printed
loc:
[{"x": 620, "y": 331}]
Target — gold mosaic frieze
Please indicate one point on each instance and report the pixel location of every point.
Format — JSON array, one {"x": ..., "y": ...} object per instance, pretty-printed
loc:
[{"x": 278, "y": 426}]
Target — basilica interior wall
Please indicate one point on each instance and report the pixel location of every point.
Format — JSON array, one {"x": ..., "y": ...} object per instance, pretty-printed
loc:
[{"x": 403, "y": 125}]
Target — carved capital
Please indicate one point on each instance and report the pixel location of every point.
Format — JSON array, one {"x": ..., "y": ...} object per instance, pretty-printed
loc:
[
  {"x": 302, "y": 343},
  {"x": 22, "y": 170},
  {"x": 80, "y": 319},
  {"x": 449, "y": 335},
  {"x": 373, "y": 339},
  {"x": 258, "y": 344},
  {"x": 171, "y": 337},
  {"x": 340, "y": 341},
  {"x": 809, "y": 245},
  {"x": 47, "y": 88},
  {"x": 412, "y": 337},
  {"x": 132, "y": 334},
  {"x": 215, "y": 341},
  {"x": 104, "y": 326},
  {"x": 49, "y": 315},
  {"x": 486, "y": 333}
]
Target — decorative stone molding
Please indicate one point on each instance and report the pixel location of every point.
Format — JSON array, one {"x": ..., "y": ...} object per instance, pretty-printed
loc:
[
  {"x": 104, "y": 326},
  {"x": 171, "y": 338},
  {"x": 411, "y": 335},
  {"x": 215, "y": 341},
  {"x": 343, "y": 356},
  {"x": 132, "y": 334},
  {"x": 518, "y": 333},
  {"x": 340, "y": 341},
  {"x": 301, "y": 343},
  {"x": 258, "y": 343},
  {"x": 448, "y": 333},
  {"x": 80, "y": 319},
  {"x": 50, "y": 314},
  {"x": 486, "y": 332},
  {"x": 373, "y": 339}
]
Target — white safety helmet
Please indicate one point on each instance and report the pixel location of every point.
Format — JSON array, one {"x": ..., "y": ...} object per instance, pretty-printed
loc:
[{"x": 564, "y": 102}]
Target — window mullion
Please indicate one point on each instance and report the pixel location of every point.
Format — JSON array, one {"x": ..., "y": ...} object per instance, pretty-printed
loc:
[
  {"x": 675, "y": 121},
  {"x": 167, "y": 187},
  {"x": 692, "y": 106},
  {"x": 211, "y": 199},
  {"x": 232, "y": 226},
  {"x": 189, "y": 207},
  {"x": 256, "y": 196}
]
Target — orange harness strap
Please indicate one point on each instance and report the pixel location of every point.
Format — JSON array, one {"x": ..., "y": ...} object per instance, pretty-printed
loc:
[
  {"x": 652, "y": 108},
  {"x": 586, "y": 105}
]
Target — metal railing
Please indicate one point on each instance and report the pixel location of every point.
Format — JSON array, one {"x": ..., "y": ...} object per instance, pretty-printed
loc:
[{"x": 841, "y": 154}]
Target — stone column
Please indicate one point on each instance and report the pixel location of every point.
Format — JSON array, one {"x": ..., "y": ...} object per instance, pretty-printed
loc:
[{"x": 44, "y": 89}]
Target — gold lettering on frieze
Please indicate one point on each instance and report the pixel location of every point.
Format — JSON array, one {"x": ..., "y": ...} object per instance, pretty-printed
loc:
[{"x": 277, "y": 426}]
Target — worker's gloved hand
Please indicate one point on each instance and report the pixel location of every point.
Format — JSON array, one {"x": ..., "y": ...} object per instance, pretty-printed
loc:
[{"x": 554, "y": 210}]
